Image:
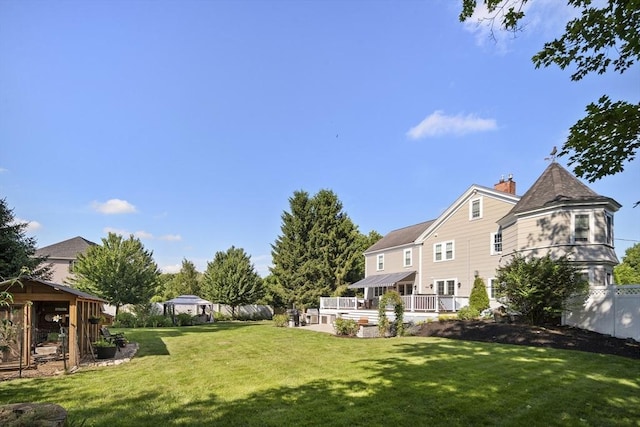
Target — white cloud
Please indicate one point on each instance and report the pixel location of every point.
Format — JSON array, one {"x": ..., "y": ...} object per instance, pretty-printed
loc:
[
  {"x": 438, "y": 124},
  {"x": 3, "y": 170},
  {"x": 143, "y": 235},
  {"x": 172, "y": 269},
  {"x": 171, "y": 237},
  {"x": 114, "y": 207},
  {"x": 31, "y": 227}
]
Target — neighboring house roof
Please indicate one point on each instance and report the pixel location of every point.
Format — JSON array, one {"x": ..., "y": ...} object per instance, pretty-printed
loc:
[
  {"x": 402, "y": 236},
  {"x": 557, "y": 186},
  {"x": 68, "y": 249}
]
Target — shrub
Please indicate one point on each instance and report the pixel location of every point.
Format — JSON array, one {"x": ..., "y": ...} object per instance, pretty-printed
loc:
[
  {"x": 479, "y": 299},
  {"x": 468, "y": 313},
  {"x": 347, "y": 327},
  {"x": 447, "y": 317},
  {"x": 280, "y": 320},
  {"x": 220, "y": 317},
  {"x": 158, "y": 321},
  {"x": 184, "y": 319},
  {"x": 125, "y": 320}
]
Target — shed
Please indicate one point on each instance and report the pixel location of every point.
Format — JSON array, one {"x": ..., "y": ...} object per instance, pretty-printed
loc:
[{"x": 44, "y": 313}]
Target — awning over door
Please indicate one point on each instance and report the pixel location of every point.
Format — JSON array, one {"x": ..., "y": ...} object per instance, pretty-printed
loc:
[{"x": 381, "y": 280}]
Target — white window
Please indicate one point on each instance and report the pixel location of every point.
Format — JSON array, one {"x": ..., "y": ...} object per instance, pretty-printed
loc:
[
  {"x": 475, "y": 209},
  {"x": 446, "y": 287},
  {"x": 491, "y": 288},
  {"x": 405, "y": 288},
  {"x": 443, "y": 251},
  {"x": 496, "y": 243},
  {"x": 609, "y": 237},
  {"x": 407, "y": 257},
  {"x": 380, "y": 263},
  {"x": 582, "y": 228}
]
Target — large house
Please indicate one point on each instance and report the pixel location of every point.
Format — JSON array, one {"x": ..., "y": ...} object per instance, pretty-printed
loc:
[
  {"x": 433, "y": 264},
  {"x": 63, "y": 255}
]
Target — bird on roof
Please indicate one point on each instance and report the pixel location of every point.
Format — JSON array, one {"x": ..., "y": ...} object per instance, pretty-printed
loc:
[{"x": 554, "y": 151}]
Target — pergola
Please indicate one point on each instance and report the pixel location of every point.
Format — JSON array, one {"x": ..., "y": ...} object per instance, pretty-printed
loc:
[{"x": 192, "y": 302}]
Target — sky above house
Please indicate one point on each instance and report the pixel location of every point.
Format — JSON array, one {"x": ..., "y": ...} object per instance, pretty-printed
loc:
[{"x": 190, "y": 124}]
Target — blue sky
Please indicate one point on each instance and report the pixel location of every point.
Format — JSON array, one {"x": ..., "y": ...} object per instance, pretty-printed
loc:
[{"x": 191, "y": 123}]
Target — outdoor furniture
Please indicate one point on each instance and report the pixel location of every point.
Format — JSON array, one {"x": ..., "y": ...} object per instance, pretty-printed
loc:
[{"x": 118, "y": 339}]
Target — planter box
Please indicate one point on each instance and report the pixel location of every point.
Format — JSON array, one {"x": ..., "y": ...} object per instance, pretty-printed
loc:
[{"x": 106, "y": 352}]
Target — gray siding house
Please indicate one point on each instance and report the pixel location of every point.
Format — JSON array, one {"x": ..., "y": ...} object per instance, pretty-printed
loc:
[{"x": 63, "y": 255}]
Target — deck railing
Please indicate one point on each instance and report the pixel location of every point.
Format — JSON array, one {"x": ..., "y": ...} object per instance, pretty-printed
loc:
[{"x": 412, "y": 303}]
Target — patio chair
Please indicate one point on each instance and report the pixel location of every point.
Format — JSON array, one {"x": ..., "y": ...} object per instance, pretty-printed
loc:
[{"x": 118, "y": 339}]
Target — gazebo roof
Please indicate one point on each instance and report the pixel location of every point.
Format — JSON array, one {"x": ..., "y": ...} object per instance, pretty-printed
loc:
[{"x": 188, "y": 300}]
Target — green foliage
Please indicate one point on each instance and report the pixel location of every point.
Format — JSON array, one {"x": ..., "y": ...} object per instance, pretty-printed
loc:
[
  {"x": 318, "y": 252},
  {"x": 104, "y": 343},
  {"x": 385, "y": 326},
  {"x": 184, "y": 319},
  {"x": 231, "y": 279},
  {"x": 120, "y": 271},
  {"x": 479, "y": 299},
  {"x": 346, "y": 327},
  {"x": 599, "y": 38},
  {"x": 280, "y": 320},
  {"x": 188, "y": 281},
  {"x": 539, "y": 288},
  {"x": 125, "y": 320},
  {"x": 468, "y": 313},
  {"x": 17, "y": 251},
  {"x": 628, "y": 271},
  {"x": 221, "y": 317}
]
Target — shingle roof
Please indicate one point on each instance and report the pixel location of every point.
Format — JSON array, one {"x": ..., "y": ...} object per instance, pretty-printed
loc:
[
  {"x": 68, "y": 289},
  {"x": 400, "y": 237},
  {"x": 556, "y": 186},
  {"x": 68, "y": 249}
]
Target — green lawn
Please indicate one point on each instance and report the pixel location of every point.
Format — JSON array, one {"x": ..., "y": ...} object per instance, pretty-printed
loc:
[{"x": 254, "y": 374}]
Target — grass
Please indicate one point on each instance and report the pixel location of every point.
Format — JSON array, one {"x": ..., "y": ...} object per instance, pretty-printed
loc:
[{"x": 253, "y": 374}]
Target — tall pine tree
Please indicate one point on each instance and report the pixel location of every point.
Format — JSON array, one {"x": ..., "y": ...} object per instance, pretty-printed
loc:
[{"x": 319, "y": 251}]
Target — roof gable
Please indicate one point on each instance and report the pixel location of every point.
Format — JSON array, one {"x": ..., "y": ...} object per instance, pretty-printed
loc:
[
  {"x": 557, "y": 186},
  {"x": 66, "y": 249}
]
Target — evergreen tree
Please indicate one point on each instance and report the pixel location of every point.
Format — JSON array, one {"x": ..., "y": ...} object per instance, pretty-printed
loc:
[
  {"x": 319, "y": 251},
  {"x": 120, "y": 271},
  {"x": 17, "y": 251},
  {"x": 479, "y": 299},
  {"x": 231, "y": 279}
]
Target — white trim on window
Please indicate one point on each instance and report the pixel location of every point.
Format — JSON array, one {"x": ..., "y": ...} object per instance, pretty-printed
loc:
[
  {"x": 445, "y": 286},
  {"x": 608, "y": 217},
  {"x": 407, "y": 257},
  {"x": 380, "y": 262},
  {"x": 495, "y": 243},
  {"x": 475, "y": 208},
  {"x": 582, "y": 227},
  {"x": 491, "y": 288},
  {"x": 444, "y": 251}
]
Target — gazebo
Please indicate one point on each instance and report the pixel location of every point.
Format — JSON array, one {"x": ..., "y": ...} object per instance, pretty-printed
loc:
[
  {"x": 45, "y": 313},
  {"x": 192, "y": 304}
]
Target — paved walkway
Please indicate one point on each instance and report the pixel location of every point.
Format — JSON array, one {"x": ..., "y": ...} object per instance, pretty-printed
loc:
[{"x": 320, "y": 327}]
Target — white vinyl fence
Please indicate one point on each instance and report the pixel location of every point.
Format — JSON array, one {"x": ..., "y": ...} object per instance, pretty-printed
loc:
[{"x": 610, "y": 310}]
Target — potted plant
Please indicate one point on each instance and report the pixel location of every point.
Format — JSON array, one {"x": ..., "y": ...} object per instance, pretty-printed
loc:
[
  {"x": 105, "y": 349},
  {"x": 94, "y": 320}
]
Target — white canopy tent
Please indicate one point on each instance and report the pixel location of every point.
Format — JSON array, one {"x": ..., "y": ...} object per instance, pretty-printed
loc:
[{"x": 192, "y": 304}]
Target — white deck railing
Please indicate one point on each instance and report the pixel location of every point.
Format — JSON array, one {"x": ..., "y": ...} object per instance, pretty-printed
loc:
[{"x": 412, "y": 303}]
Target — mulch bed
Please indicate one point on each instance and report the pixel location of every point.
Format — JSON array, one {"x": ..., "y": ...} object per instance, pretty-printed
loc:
[{"x": 561, "y": 337}]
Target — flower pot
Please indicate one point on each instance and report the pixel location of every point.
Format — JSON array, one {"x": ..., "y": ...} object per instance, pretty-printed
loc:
[{"x": 106, "y": 352}]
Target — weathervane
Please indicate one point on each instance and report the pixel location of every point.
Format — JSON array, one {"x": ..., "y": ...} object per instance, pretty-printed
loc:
[{"x": 552, "y": 155}]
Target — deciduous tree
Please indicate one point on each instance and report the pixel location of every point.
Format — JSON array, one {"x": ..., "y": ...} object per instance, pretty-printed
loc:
[
  {"x": 628, "y": 271},
  {"x": 120, "y": 271},
  {"x": 231, "y": 279},
  {"x": 603, "y": 37}
]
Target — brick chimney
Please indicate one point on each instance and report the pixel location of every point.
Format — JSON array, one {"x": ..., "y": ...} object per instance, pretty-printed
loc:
[{"x": 508, "y": 186}]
